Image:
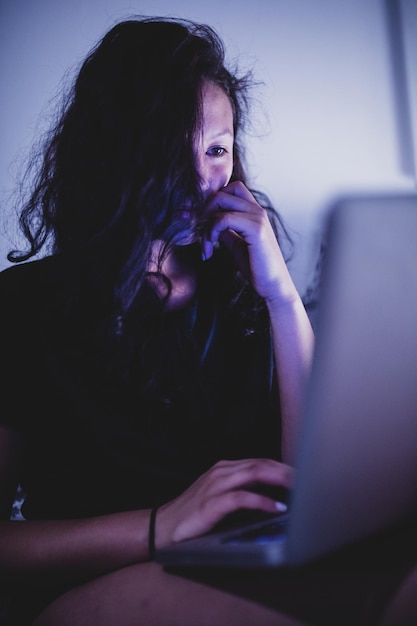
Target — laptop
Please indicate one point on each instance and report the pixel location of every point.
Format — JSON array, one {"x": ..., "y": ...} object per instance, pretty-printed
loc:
[{"x": 356, "y": 463}]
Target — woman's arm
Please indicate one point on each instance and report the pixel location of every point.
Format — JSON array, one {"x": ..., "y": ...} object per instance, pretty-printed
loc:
[
  {"x": 75, "y": 550},
  {"x": 241, "y": 224},
  {"x": 293, "y": 347},
  {"x": 78, "y": 548}
]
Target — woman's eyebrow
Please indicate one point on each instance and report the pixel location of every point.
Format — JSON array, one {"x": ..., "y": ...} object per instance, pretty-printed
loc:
[{"x": 224, "y": 133}]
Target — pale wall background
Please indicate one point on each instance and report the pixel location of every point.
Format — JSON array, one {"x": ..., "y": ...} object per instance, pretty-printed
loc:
[{"x": 336, "y": 113}]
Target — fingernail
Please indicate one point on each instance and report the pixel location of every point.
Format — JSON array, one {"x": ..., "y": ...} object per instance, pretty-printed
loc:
[
  {"x": 281, "y": 507},
  {"x": 207, "y": 250}
]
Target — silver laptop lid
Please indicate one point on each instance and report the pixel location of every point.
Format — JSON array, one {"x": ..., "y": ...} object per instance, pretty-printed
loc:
[{"x": 357, "y": 458}]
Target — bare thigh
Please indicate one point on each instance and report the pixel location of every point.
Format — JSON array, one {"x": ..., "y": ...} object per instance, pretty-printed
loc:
[{"x": 145, "y": 595}]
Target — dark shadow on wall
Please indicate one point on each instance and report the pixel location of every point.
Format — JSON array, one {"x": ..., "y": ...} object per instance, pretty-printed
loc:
[{"x": 400, "y": 90}]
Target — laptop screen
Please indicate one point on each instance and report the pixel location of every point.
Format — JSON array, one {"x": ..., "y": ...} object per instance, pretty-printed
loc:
[{"x": 357, "y": 460}]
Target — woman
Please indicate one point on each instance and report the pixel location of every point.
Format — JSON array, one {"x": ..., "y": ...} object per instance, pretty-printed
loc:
[{"x": 156, "y": 355}]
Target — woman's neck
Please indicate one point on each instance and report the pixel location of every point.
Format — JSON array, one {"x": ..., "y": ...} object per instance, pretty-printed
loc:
[{"x": 174, "y": 279}]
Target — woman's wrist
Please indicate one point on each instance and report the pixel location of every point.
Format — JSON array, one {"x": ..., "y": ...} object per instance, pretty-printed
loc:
[
  {"x": 151, "y": 540},
  {"x": 283, "y": 302}
]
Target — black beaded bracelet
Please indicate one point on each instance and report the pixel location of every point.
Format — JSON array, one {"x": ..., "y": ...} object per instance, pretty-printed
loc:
[{"x": 152, "y": 533}]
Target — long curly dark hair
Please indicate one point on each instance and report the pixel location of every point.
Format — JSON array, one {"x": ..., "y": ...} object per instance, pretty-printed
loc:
[{"x": 120, "y": 161}]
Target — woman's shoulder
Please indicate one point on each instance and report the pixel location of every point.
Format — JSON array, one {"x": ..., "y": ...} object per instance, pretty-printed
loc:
[
  {"x": 28, "y": 277},
  {"x": 27, "y": 293}
]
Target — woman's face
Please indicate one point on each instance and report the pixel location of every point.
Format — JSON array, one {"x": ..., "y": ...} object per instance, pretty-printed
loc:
[
  {"x": 214, "y": 145},
  {"x": 213, "y": 151}
]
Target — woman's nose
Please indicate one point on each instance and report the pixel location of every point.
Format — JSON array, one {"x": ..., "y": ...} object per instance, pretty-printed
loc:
[{"x": 211, "y": 181}]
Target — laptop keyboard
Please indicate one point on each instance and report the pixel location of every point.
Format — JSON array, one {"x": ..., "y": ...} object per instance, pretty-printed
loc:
[{"x": 265, "y": 533}]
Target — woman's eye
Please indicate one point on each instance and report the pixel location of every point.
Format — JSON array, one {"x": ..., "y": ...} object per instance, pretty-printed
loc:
[{"x": 216, "y": 151}]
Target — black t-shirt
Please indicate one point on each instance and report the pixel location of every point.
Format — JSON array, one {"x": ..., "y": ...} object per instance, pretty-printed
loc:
[{"x": 95, "y": 445}]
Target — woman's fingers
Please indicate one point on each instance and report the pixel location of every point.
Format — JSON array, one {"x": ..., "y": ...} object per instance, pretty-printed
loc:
[
  {"x": 223, "y": 489},
  {"x": 237, "y": 189},
  {"x": 232, "y": 208},
  {"x": 246, "y": 224},
  {"x": 242, "y": 225},
  {"x": 230, "y": 475},
  {"x": 235, "y": 208}
]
